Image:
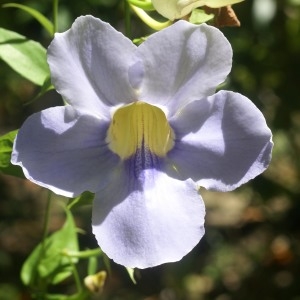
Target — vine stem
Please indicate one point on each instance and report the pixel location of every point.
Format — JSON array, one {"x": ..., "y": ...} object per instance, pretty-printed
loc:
[
  {"x": 46, "y": 220},
  {"x": 55, "y": 16},
  {"x": 152, "y": 23},
  {"x": 76, "y": 276},
  {"x": 82, "y": 254},
  {"x": 39, "y": 284},
  {"x": 127, "y": 19}
]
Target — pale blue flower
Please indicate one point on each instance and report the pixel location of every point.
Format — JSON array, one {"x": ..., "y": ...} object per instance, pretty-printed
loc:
[{"x": 143, "y": 130}]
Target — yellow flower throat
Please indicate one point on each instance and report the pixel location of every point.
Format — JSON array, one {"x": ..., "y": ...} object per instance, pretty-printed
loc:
[{"x": 139, "y": 125}]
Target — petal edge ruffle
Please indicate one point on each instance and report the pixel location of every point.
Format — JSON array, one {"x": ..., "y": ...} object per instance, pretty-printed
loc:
[
  {"x": 87, "y": 61},
  {"x": 223, "y": 142},
  {"x": 64, "y": 151},
  {"x": 147, "y": 225},
  {"x": 183, "y": 62}
]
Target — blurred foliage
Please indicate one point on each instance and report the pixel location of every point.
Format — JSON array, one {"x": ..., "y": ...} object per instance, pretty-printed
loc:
[{"x": 251, "y": 249}]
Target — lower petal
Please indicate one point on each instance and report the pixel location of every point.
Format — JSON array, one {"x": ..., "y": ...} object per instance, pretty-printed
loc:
[
  {"x": 64, "y": 151},
  {"x": 148, "y": 220}
]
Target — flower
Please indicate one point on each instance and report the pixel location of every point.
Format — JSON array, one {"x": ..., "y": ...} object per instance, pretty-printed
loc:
[
  {"x": 95, "y": 283},
  {"x": 143, "y": 130},
  {"x": 176, "y": 9}
]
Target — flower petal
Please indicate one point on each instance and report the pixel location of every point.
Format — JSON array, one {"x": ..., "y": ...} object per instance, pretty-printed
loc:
[
  {"x": 64, "y": 151},
  {"x": 176, "y": 9},
  {"x": 147, "y": 221},
  {"x": 223, "y": 142},
  {"x": 220, "y": 3},
  {"x": 183, "y": 62},
  {"x": 89, "y": 65}
]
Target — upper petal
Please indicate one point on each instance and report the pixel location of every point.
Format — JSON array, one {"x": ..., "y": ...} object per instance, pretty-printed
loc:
[
  {"x": 182, "y": 63},
  {"x": 148, "y": 220},
  {"x": 64, "y": 151},
  {"x": 222, "y": 142},
  {"x": 89, "y": 65}
]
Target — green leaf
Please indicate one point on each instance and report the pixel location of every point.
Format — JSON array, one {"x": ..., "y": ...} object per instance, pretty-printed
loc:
[
  {"x": 36, "y": 14},
  {"x": 47, "y": 261},
  {"x": 6, "y": 145},
  {"x": 86, "y": 198},
  {"x": 47, "y": 86},
  {"x": 61, "y": 274},
  {"x": 26, "y": 57},
  {"x": 199, "y": 16}
]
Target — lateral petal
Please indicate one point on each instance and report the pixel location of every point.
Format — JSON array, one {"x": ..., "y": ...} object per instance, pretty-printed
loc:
[
  {"x": 89, "y": 66},
  {"x": 222, "y": 142},
  {"x": 64, "y": 151},
  {"x": 148, "y": 220}
]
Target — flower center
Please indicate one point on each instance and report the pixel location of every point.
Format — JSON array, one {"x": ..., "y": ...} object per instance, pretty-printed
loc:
[{"x": 140, "y": 125}]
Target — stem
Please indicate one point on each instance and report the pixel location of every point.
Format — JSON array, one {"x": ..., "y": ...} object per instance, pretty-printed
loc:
[
  {"x": 92, "y": 265},
  {"x": 46, "y": 222},
  {"x": 55, "y": 15},
  {"x": 82, "y": 254},
  {"x": 76, "y": 276},
  {"x": 145, "y": 5},
  {"x": 127, "y": 19},
  {"x": 150, "y": 21},
  {"x": 40, "y": 285}
]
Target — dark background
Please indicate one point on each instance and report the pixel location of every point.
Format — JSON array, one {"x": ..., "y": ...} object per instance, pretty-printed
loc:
[{"x": 251, "y": 249}]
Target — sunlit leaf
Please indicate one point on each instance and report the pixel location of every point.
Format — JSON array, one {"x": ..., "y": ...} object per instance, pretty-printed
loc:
[
  {"x": 61, "y": 274},
  {"x": 47, "y": 261},
  {"x": 86, "y": 198},
  {"x": 36, "y": 14},
  {"x": 26, "y": 57},
  {"x": 6, "y": 145}
]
